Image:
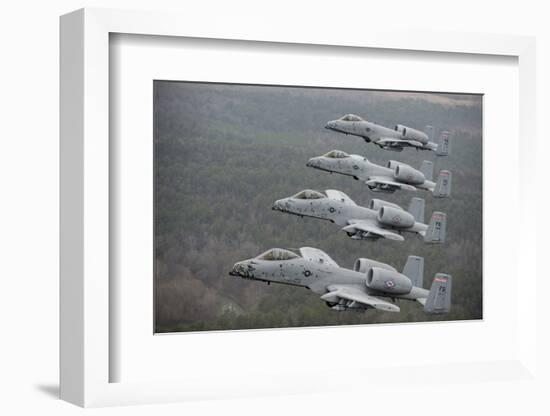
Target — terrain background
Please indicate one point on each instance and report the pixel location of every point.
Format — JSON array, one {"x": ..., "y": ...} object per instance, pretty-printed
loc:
[{"x": 224, "y": 153}]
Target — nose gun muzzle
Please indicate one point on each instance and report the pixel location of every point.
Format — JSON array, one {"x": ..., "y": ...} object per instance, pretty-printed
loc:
[{"x": 240, "y": 269}]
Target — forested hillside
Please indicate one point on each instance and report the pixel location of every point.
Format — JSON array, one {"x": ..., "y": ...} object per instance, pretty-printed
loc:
[{"x": 225, "y": 153}]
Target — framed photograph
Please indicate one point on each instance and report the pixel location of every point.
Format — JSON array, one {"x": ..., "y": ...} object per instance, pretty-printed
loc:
[
  {"x": 231, "y": 158},
  {"x": 236, "y": 208}
]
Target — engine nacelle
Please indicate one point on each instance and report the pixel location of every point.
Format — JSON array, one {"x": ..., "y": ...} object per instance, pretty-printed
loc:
[
  {"x": 396, "y": 218},
  {"x": 405, "y": 173},
  {"x": 412, "y": 134},
  {"x": 392, "y": 164},
  {"x": 363, "y": 265},
  {"x": 388, "y": 281},
  {"x": 376, "y": 204}
]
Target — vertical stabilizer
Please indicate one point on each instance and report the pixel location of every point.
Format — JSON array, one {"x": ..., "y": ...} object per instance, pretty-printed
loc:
[
  {"x": 414, "y": 270},
  {"x": 444, "y": 145},
  {"x": 437, "y": 228},
  {"x": 427, "y": 168},
  {"x": 429, "y": 130},
  {"x": 416, "y": 209},
  {"x": 439, "y": 298},
  {"x": 443, "y": 186}
]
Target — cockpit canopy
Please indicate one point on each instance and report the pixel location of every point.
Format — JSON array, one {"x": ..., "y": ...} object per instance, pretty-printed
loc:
[
  {"x": 277, "y": 254},
  {"x": 336, "y": 154},
  {"x": 309, "y": 194},
  {"x": 351, "y": 117}
]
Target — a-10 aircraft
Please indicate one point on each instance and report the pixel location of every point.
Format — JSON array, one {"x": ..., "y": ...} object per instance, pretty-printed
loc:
[
  {"x": 378, "y": 178},
  {"x": 380, "y": 220},
  {"x": 367, "y": 286},
  {"x": 395, "y": 139}
]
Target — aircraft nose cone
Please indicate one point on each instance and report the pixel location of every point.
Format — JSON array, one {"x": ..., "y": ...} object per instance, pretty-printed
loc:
[
  {"x": 234, "y": 270},
  {"x": 313, "y": 162},
  {"x": 278, "y": 205},
  {"x": 239, "y": 269}
]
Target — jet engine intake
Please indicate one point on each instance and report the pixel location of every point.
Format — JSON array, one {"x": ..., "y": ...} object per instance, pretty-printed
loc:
[
  {"x": 376, "y": 204},
  {"x": 405, "y": 173},
  {"x": 392, "y": 164},
  {"x": 396, "y": 218},
  {"x": 412, "y": 134},
  {"x": 363, "y": 265},
  {"x": 388, "y": 281}
]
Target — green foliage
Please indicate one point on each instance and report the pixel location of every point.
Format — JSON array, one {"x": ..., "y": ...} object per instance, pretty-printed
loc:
[{"x": 224, "y": 154}]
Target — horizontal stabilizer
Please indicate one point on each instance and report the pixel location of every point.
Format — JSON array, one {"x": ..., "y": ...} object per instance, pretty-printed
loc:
[
  {"x": 427, "y": 169},
  {"x": 429, "y": 130},
  {"x": 414, "y": 270},
  {"x": 416, "y": 209}
]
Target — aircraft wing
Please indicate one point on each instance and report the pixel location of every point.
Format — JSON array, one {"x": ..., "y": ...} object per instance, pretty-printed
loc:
[
  {"x": 317, "y": 256},
  {"x": 393, "y": 142},
  {"x": 339, "y": 196},
  {"x": 359, "y": 295},
  {"x": 369, "y": 227},
  {"x": 381, "y": 180}
]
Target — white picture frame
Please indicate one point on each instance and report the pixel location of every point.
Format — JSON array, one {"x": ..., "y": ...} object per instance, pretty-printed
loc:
[{"x": 85, "y": 214}]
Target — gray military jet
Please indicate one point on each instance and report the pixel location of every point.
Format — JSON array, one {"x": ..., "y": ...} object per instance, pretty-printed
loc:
[
  {"x": 395, "y": 139},
  {"x": 370, "y": 284},
  {"x": 380, "y": 220},
  {"x": 378, "y": 178}
]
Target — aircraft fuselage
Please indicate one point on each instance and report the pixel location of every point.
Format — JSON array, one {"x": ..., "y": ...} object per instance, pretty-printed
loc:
[
  {"x": 311, "y": 275},
  {"x": 360, "y": 168},
  {"x": 337, "y": 211}
]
